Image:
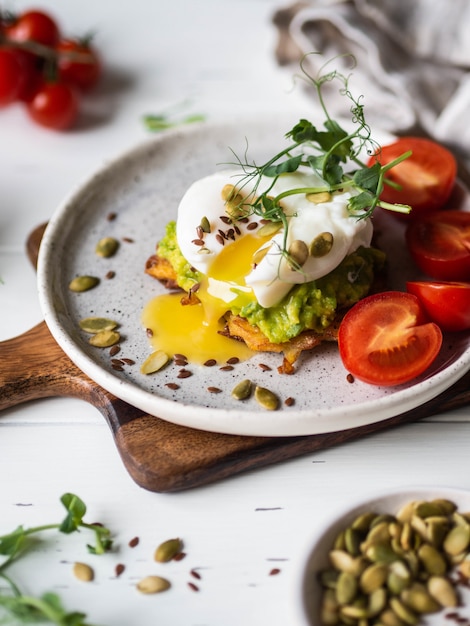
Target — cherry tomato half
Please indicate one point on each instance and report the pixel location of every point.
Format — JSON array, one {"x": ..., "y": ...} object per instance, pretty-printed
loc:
[
  {"x": 385, "y": 339},
  {"x": 446, "y": 303},
  {"x": 78, "y": 63},
  {"x": 54, "y": 105},
  {"x": 426, "y": 178},
  {"x": 439, "y": 244},
  {"x": 35, "y": 26}
]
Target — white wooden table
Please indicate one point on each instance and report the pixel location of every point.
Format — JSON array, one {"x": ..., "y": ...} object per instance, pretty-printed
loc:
[{"x": 218, "y": 57}]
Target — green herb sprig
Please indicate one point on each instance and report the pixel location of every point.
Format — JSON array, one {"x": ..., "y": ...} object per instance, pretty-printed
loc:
[
  {"x": 48, "y": 607},
  {"x": 327, "y": 152}
]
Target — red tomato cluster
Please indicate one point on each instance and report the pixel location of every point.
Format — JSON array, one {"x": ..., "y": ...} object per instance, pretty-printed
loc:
[
  {"x": 391, "y": 338},
  {"x": 44, "y": 70}
]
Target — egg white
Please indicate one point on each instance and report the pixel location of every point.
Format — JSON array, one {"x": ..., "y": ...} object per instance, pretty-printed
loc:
[{"x": 272, "y": 278}]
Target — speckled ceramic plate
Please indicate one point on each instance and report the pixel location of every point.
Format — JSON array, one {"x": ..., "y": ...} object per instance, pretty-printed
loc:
[
  {"x": 313, "y": 557},
  {"x": 142, "y": 189}
]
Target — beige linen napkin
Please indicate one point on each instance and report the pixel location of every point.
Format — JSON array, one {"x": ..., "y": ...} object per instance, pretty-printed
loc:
[{"x": 413, "y": 59}]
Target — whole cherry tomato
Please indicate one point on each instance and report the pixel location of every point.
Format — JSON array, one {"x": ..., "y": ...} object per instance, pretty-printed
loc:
[
  {"x": 11, "y": 77},
  {"x": 54, "y": 105},
  {"x": 385, "y": 339},
  {"x": 439, "y": 244},
  {"x": 446, "y": 303},
  {"x": 35, "y": 26},
  {"x": 78, "y": 63},
  {"x": 426, "y": 178}
]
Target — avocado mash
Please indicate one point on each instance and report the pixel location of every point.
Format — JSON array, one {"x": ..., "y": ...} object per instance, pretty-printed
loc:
[{"x": 307, "y": 306}]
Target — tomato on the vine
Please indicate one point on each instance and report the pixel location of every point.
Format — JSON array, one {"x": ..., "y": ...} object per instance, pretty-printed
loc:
[
  {"x": 78, "y": 63},
  {"x": 446, "y": 303},
  {"x": 385, "y": 339},
  {"x": 36, "y": 26},
  {"x": 426, "y": 178},
  {"x": 439, "y": 244},
  {"x": 54, "y": 105},
  {"x": 11, "y": 80}
]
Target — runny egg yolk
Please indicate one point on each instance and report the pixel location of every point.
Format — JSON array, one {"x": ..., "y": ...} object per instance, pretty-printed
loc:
[{"x": 194, "y": 329}]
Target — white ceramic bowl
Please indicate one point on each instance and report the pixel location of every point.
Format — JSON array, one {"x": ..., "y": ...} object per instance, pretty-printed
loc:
[{"x": 314, "y": 556}]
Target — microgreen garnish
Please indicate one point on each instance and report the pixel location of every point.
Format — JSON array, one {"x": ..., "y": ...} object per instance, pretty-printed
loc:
[
  {"x": 48, "y": 607},
  {"x": 332, "y": 153}
]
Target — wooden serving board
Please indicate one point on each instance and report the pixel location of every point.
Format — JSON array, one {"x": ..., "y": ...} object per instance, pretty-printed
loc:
[{"x": 161, "y": 456}]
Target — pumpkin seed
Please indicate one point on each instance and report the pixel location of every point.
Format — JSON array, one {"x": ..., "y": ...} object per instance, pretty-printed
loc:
[
  {"x": 297, "y": 254},
  {"x": 168, "y": 550},
  {"x": 321, "y": 245},
  {"x": 154, "y": 362},
  {"x": 269, "y": 229},
  {"x": 107, "y": 247},
  {"x": 242, "y": 390},
  {"x": 94, "y": 325},
  {"x": 432, "y": 559},
  {"x": 457, "y": 540},
  {"x": 105, "y": 338},
  {"x": 83, "y": 572},
  {"x": 319, "y": 198},
  {"x": 420, "y": 600},
  {"x": 153, "y": 584},
  {"x": 233, "y": 202},
  {"x": 266, "y": 398},
  {"x": 442, "y": 590},
  {"x": 373, "y": 577},
  {"x": 403, "y": 612},
  {"x": 346, "y": 588},
  {"x": 83, "y": 283},
  {"x": 205, "y": 225}
]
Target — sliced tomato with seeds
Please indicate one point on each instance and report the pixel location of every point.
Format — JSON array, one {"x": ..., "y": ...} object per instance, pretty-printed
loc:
[
  {"x": 425, "y": 179},
  {"x": 385, "y": 339},
  {"x": 446, "y": 303},
  {"x": 439, "y": 244}
]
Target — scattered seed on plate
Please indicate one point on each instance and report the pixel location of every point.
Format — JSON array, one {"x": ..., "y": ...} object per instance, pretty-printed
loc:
[
  {"x": 94, "y": 325},
  {"x": 289, "y": 401},
  {"x": 210, "y": 363},
  {"x": 128, "y": 361},
  {"x": 180, "y": 556},
  {"x": 233, "y": 360},
  {"x": 111, "y": 217},
  {"x": 226, "y": 368},
  {"x": 105, "y": 338},
  {"x": 350, "y": 378},
  {"x": 192, "y": 586},
  {"x": 266, "y": 398},
  {"x": 149, "y": 332},
  {"x": 264, "y": 367},
  {"x": 114, "y": 350},
  {"x": 128, "y": 239},
  {"x": 134, "y": 542},
  {"x": 107, "y": 247},
  {"x": 195, "y": 574},
  {"x": 110, "y": 274},
  {"x": 172, "y": 386},
  {"x": 80, "y": 284},
  {"x": 183, "y": 373},
  {"x": 83, "y": 572},
  {"x": 275, "y": 571},
  {"x": 242, "y": 390},
  {"x": 154, "y": 362},
  {"x": 214, "y": 390}
]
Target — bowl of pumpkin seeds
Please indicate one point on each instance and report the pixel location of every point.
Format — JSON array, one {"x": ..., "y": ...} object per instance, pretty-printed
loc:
[{"x": 395, "y": 559}]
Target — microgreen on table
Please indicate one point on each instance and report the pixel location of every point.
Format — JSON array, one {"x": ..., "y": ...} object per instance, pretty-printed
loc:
[{"x": 48, "y": 607}]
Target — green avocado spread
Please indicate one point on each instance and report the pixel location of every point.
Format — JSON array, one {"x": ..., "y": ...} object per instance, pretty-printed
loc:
[{"x": 307, "y": 306}]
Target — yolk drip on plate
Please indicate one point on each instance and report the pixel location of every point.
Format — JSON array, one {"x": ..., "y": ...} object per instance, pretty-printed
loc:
[{"x": 194, "y": 330}]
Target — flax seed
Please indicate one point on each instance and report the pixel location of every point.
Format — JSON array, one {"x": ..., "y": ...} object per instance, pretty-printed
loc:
[
  {"x": 184, "y": 374},
  {"x": 149, "y": 332},
  {"x": 289, "y": 401},
  {"x": 264, "y": 367},
  {"x": 252, "y": 226},
  {"x": 119, "y": 569},
  {"x": 199, "y": 232},
  {"x": 172, "y": 386},
  {"x": 233, "y": 360},
  {"x": 195, "y": 574},
  {"x": 134, "y": 542},
  {"x": 220, "y": 239},
  {"x": 225, "y": 219},
  {"x": 226, "y": 368},
  {"x": 128, "y": 239},
  {"x": 128, "y": 361},
  {"x": 193, "y": 587},
  {"x": 116, "y": 367},
  {"x": 111, "y": 217},
  {"x": 110, "y": 275},
  {"x": 198, "y": 242},
  {"x": 350, "y": 378},
  {"x": 114, "y": 350},
  {"x": 210, "y": 363},
  {"x": 214, "y": 390}
]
